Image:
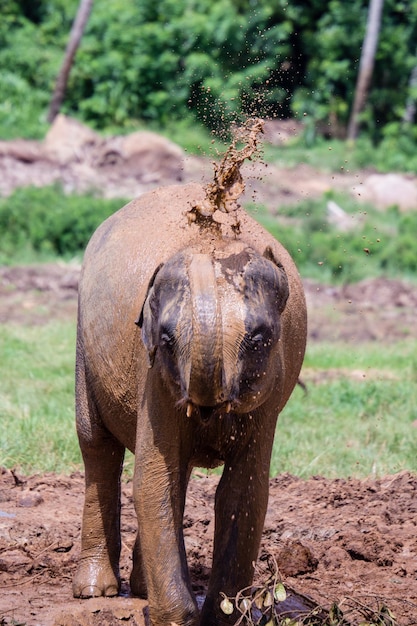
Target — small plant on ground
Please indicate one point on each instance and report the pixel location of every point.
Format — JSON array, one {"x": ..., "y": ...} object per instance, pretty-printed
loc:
[
  {"x": 270, "y": 604},
  {"x": 276, "y": 604}
]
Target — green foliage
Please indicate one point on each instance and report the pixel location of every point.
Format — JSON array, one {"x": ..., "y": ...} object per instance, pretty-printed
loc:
[
  {"x": 397, "y": 150},
  {"x": 32, "y": 39},
  {"x": 154, "y": 61},
  {"x": 21, "y": 108},
  {"x": 214, "y": 61},
  {"x": 379, "y": 243},
  {"x": 48, "y": 222},
  {"x": 332, "y": 53}
]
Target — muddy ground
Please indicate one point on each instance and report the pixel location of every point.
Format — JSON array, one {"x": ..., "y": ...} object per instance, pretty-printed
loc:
[{"x": 346, "y": 541}]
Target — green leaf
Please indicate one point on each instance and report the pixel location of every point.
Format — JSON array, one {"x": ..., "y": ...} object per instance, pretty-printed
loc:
[
  {"x": 226, "y": 606},
  {"x": 280, "y": 593}
]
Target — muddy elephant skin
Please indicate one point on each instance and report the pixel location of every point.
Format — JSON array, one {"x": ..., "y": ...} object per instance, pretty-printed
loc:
[{"x": 191, "y": 336}]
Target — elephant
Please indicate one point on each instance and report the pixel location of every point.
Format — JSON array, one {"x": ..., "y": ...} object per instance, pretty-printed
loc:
[{"x": 191, "y": 335}]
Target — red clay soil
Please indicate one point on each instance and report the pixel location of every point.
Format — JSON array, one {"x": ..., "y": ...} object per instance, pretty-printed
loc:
[{"x": 346, "y": 541}]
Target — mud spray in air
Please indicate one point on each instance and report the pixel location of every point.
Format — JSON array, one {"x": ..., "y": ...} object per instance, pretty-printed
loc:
[{"x": 228, "y": 185}]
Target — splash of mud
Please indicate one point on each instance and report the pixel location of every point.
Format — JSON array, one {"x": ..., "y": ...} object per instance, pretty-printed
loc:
[{"x": 228, "y": 184}]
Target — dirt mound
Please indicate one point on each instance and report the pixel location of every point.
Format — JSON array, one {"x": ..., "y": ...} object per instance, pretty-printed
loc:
[
  {"x": 373, "y": 309},
  {"x": 127, "y": 166},
  {"x": 83, "y": 161},
  {"x": 36, "y": 294},
  {"x": 347, "y": 541}
]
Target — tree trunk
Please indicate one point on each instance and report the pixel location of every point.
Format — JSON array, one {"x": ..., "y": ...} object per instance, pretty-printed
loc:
[
  {"x": 77, "y": 30},
  {"x": 410, "y": 108},
  {"x": 366, "y": 65}
]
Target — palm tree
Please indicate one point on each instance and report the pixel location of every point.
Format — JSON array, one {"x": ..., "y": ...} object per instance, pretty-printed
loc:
[
  {"x": 77, "y": 30},
  {"x": 366, "y": 65}
]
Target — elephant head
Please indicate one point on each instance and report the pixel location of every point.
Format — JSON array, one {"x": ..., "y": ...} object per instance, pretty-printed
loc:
[{"x": 213, "y": 323}]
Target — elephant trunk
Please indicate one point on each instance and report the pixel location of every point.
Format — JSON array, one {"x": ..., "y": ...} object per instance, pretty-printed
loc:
[{"x": 205, "y": 387}]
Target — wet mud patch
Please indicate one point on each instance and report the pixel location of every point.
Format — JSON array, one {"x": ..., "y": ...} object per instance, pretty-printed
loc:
[{"x": 353, "y": 542}]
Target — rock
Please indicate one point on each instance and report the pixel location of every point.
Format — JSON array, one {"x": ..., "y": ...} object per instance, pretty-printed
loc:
[
  {"x": 143, "y": 155},
  {"x": 336, "y": 557},
  {"x": 24, "y": 150},
  {"x": 68, "y": 140},
  {"x": 295, "y": 559},
  {"x": 280, "y": 132},
  {"x": 29, "y": 499},
  {"x": 338, "y": 218},
  {"x": 385, "y": 190}
]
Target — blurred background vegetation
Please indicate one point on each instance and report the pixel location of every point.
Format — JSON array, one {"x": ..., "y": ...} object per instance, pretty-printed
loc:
[
  {"x": 59, "y": 226},
  {"x": 210, "y": 61}
]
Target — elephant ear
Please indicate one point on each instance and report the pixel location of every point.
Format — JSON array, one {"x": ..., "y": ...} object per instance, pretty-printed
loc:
[
  {"x": 146, "y": 318},
  {"x": 283, "y": 287}
]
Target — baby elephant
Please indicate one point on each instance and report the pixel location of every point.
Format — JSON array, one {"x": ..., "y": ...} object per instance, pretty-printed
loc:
[{"x": 191, "y": 336}]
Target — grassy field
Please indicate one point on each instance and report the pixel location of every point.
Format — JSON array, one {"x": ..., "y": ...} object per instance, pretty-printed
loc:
[
  {"x": 355, "y": 420},
  {"x": 37, "y": 398},
  {"x": 358, "y": 417}
]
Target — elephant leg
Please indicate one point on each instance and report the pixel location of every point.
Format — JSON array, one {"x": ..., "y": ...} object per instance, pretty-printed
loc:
[
  {"x": 137, "y": 577},
  {"x": 159, "y": 493},
  {"x": 240, "y": 507},
  {"x": 98, "y": 569}
]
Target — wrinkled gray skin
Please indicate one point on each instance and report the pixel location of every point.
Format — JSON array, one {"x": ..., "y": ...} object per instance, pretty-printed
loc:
[{"x": 218, "y": 350}]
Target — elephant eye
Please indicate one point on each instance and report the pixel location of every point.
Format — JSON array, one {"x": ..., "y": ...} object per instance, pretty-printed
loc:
[
  {"x": 253, "y": 341},
  {"x": 167, "y": 337},
  {"x": 260, "y": 336}
]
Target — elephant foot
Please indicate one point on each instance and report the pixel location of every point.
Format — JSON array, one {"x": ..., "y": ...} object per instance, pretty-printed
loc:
[
  {"x": 137, "y": 584},
  {"x": 185, "y": 616},
  {"x": 93, "y": 579}
]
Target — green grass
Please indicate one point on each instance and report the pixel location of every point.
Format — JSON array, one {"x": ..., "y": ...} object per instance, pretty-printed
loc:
[
  {"x": 37, "y": 398},
  {"x": 396, "y": 152},
  {"x": 357, "y": 419},
  {"x": 326, "y": 155},
  {"x": 359, "y": 415}
]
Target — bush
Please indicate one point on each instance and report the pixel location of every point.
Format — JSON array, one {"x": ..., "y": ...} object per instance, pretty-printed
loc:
[
  {"x": 47, "y": 221},
  {"x": 381, "y": 243},
  {"x": 32, "y": 40}
]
